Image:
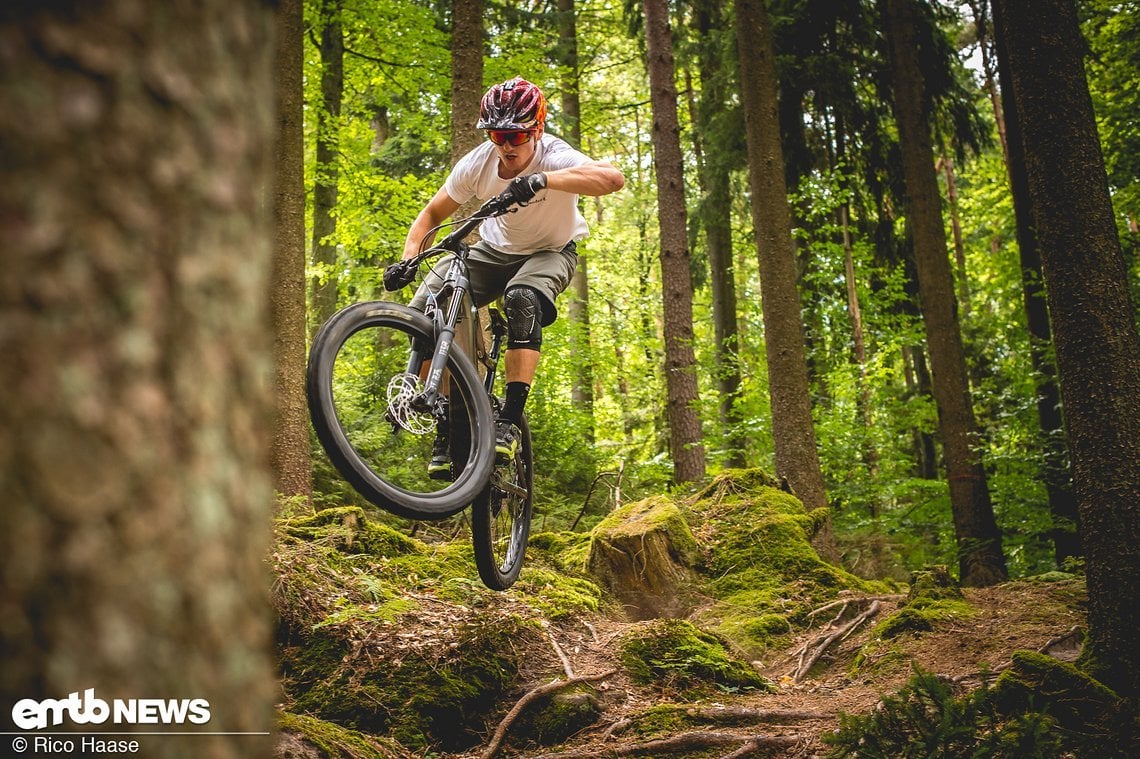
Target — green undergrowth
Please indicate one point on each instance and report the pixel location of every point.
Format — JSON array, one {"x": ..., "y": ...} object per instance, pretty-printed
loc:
[
  {"x": 676, "y": 656},
  {"x": 392, "y": 636},
  {"x": 301, "y": 731},
  {"x": 759, "y": 563},
  {"x": 933, "y": 599},
  {"x": 1039, "y": 707}
]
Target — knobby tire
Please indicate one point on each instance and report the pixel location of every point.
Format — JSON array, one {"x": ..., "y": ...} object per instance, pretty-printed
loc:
[
  {"x": 384, "y": 489},
  {"x": 500, "y": 520}
]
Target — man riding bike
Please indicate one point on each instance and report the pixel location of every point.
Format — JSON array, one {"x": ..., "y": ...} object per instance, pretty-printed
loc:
[{"x": 526, "y": 257}]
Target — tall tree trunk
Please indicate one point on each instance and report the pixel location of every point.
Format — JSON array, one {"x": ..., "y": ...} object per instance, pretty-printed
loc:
[
  {"x": 1094, "y": 327},
  {"x": 134, "y": 463},
  {"x": 324, "y": 285},
  {"x": 466, "y": 75},
  {"x": 685, "y": 441},
  {"x": 1057, "y": 473},
  {"x": 980, "y": 558},
  {"x": 946, "y": 164},
  {"x": 578, "y": 308},
  {"x": 797, "y": 457},
  {"x": 717, "y": 223},
  {"x": 291, "y": 452}
]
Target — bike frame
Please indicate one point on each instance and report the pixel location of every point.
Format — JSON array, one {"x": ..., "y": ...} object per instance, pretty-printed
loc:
[{"x": 445, "y": 308}]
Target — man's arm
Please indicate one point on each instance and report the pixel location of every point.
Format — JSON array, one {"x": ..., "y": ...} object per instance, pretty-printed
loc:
[
  {"x": 596, "y": 178},
  {"x": 421, "y": 235}
]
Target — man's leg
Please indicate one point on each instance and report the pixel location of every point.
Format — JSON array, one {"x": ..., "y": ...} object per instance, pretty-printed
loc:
[{"x": 524, "y": 340}]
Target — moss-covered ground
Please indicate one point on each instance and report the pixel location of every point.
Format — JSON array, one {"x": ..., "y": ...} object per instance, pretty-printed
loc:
[{"x": 390, "y": 646}]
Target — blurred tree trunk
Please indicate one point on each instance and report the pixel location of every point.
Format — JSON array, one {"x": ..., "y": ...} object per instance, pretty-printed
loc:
[
  {"x": 291, "y": 453},
  {"x": 980, "y": 558},
  {"x": 716, "y": 218},
  {"x": 797, "y": 456},
  {"x": 1057, "y": 473},
  {"x": 323, "y": 287},
  {"x": 685, "y": 441},
  {"x": 1094, "y": 326},
  {"x": 134, "y": 465}
]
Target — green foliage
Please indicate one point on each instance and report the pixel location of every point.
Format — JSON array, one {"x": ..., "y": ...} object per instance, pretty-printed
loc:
[
  {"x": 1039, "y": 708},
  {"x": 393, "y": 152},
  {"x": 676, "y": 655}
]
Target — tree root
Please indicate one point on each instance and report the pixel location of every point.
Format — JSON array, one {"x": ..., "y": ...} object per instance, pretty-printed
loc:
[
  {"x": 687, "y": 743},
  {"x": 554, "y": 686},
  {"x": 743, "y": 716},
  {"x": 814, "y": 649}
]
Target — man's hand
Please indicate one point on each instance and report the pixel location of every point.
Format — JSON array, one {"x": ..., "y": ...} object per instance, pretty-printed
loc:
[
  {"x": 526, "y": 187},
  {"x": 398, "y": 276}
]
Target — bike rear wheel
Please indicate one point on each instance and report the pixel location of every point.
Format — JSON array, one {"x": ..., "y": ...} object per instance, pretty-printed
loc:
[
  {"x": 362, "y": 377},
  {"x": 500, "y": 518}
]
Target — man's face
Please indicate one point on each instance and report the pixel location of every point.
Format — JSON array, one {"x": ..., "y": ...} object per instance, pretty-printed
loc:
[{"x": 515, "y": 157}]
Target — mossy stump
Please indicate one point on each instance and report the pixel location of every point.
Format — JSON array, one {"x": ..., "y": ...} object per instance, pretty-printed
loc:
[{"x": 644, "y": 555}]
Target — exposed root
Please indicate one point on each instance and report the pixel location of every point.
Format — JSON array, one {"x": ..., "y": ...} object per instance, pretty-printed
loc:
[
  {"x": 814, "y": 649},
  {"x": 741, "y": 716},
  {"x": 554, "y": 686},
  {"x": 688, "y": 743}
]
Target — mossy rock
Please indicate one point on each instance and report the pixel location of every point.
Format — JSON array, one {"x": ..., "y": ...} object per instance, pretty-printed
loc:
[
  {"x": 1040, "y": 683},
  {"x": 568, "y": 552},
  {"x": 429, "y": 694},
  {"x": 564, "y": 714},
  {"x": 302, "y": 737},
  {"x": 352, "y": 532},
  {"x": 933, "y": 583},
  {"x": 644, "y": 554},
  {"x": 921, "y": 617},
  {"x": 676, "y": 655},
  {"x": 759, "y": 560}
]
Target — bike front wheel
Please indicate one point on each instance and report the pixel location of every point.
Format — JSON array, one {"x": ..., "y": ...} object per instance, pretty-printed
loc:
[
  {"x": 363, "y": 385},
  {"x": 500, "y": 518}
]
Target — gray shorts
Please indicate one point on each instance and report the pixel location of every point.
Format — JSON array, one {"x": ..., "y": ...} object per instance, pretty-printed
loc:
[{"x": 492, "y": 272}]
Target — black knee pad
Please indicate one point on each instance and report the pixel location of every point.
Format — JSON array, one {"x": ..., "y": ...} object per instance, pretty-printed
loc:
[{"x": 523, "y": 305}]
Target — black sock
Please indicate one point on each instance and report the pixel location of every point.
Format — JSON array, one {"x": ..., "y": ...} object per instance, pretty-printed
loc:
[{"x": 517, "y": 393}]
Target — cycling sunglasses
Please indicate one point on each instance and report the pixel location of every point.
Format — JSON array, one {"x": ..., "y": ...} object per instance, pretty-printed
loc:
[{"x": 512, "y": 137}]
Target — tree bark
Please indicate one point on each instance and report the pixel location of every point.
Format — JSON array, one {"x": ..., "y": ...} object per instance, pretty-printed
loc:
[
  {"x": 685, "y": 441},
  {"x": 324, "y": 285},
  {"x": 578, "y": 307},
  {"x": 980, "y": 558},
  {"x": 717, "y": 222},
  {"x": 291, "y": 452},
  {"x": 134, "y": 464},
  {"x": 466, "y": 75},
  {"x": 797, "y": 455},
  {"x": 1057, "y": 473},
  {"x": 1094, "y": 327}
]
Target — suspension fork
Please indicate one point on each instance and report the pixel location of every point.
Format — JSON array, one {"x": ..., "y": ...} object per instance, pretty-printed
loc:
[{"x": 445, "y": 337}]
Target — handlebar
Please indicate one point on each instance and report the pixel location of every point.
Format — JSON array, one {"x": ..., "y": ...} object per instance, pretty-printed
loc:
[{"x": 401, "y": 274}]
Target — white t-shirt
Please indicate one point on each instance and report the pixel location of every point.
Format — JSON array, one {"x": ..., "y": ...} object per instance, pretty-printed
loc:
[{"x": 547, "y": 222}]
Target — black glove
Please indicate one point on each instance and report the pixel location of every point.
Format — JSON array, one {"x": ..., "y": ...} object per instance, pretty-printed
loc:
[
  {"x": 525, "y": 187},
  {"x": 398, "y": 276}
]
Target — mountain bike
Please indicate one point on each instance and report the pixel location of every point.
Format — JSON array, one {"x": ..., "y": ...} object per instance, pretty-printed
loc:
[{"x": 382, "y": 377}]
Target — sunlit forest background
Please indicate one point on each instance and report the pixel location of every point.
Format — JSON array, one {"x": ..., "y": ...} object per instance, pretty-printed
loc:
[{"x": 597, "y": 410}]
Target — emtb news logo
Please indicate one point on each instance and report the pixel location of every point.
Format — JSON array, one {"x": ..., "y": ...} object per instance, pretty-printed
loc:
[{"x": 29, "y": 714}]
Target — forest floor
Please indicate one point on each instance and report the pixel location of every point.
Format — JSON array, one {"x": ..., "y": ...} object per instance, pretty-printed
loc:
[
  {"x": 1039, "y": 616},
  {"x": 390, "y": 649}
]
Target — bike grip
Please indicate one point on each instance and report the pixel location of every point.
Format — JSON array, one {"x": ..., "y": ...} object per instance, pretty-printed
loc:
[{"x": 398, "y": 276}]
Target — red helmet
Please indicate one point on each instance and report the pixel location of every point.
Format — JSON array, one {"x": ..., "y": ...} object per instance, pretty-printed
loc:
[{"x": 514, "y": 104}]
